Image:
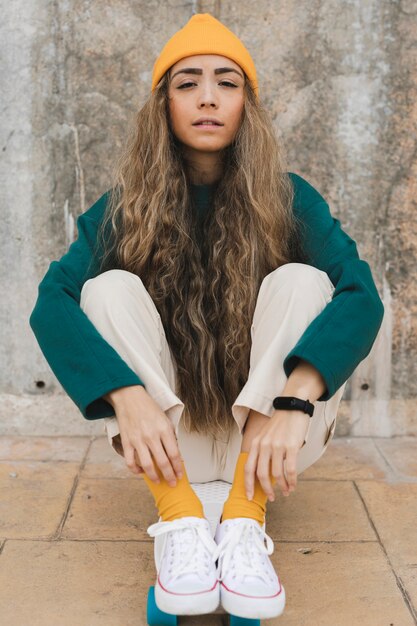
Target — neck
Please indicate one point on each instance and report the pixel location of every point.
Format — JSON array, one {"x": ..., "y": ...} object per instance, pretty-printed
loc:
[{"x": 203, "y": 168}]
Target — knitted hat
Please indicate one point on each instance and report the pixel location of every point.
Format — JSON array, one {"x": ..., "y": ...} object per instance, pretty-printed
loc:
[{"x": 204, "y": 34}]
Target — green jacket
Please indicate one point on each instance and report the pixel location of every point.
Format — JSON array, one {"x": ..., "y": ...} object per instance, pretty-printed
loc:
[{"x": 335, "y": 342}]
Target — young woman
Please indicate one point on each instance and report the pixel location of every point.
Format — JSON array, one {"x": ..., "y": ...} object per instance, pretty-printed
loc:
[{"x": 210, "y": 312}]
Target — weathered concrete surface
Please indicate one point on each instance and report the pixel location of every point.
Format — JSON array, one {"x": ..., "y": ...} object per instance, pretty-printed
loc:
[{"x": 340, "y": 81}]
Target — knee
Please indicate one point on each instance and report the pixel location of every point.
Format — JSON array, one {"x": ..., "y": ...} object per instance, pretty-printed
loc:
[
  {"x": 300, "y": 276},
  {"x": 108, "y": 287}
]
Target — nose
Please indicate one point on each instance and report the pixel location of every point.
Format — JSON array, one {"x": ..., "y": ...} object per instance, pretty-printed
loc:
[{"x": 207, "y": 95}]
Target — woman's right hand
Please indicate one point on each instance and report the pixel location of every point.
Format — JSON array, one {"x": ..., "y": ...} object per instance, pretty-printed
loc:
[{"x": 146, "y": 433}]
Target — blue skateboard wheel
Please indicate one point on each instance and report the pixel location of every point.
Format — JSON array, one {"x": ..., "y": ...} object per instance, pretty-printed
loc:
[{"x": 156, "y": 617}]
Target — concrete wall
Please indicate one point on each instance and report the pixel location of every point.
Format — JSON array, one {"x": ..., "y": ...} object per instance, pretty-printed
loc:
[{"x": 340, "y": 81}]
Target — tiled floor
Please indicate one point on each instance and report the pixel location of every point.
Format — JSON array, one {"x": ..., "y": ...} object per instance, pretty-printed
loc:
[{"x": 74, "y": 549}]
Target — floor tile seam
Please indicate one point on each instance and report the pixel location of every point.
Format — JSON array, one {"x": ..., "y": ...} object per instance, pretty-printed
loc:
[
  {"x": 73, "y": 490},
  {"x": 150, "y": 541},
  {"x": 394, "y": 477},
  {"x": 299, "y": 479},
  {"x": 399, "y": 582},
  {"x": 394, "y": 472}
]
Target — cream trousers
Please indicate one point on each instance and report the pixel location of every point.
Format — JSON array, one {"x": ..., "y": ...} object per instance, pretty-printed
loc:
[{"x": 290, "y": 297}]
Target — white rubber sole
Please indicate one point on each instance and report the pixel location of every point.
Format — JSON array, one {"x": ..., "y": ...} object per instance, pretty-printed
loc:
[
  {"x": 198, "y": 603},
  {"x": 252, "y": 607}
]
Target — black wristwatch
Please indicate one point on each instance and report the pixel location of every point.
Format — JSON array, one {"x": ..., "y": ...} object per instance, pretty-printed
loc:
[{"x": 293, "y": 404}]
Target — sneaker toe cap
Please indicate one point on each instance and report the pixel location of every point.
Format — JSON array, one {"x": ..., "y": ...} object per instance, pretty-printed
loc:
[
  {"x": 253, "y": 586},
  {"x": 188, "y": 583}
]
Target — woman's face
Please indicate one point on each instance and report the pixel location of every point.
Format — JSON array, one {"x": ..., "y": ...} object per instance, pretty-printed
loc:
[{"x": 205, "y": 85}]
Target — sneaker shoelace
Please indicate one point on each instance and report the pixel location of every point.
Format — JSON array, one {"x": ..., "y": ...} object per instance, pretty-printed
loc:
[
  {"x": 188, "y": 534},
  {"x": 244, "y": 542}
]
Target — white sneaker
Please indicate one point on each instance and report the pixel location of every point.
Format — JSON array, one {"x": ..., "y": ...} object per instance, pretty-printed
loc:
[
  {"x": 250, "y": 587},
  {"x": 186, "y": 582}
]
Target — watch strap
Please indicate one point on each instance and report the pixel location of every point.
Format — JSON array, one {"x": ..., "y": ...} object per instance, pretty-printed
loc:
[{"x": 291, "y": 403}]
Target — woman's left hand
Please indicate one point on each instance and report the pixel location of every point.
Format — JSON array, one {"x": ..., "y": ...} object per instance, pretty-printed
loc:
[{"x": 281, "y": 438}]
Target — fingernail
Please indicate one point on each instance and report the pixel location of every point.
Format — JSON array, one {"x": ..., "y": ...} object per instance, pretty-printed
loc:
[
  {"x": 172, "y": 483},
  {"x": 292, "y": 488},
  {"x": 271, "y": 498},
  {"x": 250, "y": 496},
  {"x": 179, "y": 474}
]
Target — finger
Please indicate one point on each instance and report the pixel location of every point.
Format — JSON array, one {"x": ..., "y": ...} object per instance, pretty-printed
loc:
[
  {"x": 129, "y": 453},
  {"x": 291, "y": 468},
  {"x": 171, "y": 446},
  {"x": 148, "y": 464},
  {"x": 138, "y": 465},
  {"x": 278, "y": 469},
  {"x": 250, "y": 467},
  {"x": 163, "y": 463},
  {"x": 129, "y": 456},
  {"x": 263, "y": 471}
]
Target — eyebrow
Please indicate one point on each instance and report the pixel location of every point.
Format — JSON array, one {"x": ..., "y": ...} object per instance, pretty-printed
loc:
[{"x": 197, "y": 70}]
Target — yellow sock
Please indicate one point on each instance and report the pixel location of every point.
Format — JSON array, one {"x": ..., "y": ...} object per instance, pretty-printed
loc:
[
  {"x": 174, "y": 502},
  {"x": 237, "y": 503}
]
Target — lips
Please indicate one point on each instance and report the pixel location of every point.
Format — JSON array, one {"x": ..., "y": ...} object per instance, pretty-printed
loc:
[{"x": 207, "y": 121}]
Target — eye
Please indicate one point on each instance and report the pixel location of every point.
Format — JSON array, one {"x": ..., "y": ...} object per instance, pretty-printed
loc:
[
  {"x": 184, "y": 85},
  {"x": 224, "y": 82}
]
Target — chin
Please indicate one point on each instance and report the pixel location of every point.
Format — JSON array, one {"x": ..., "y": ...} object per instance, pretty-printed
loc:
[{"x": 209, "y": 146}]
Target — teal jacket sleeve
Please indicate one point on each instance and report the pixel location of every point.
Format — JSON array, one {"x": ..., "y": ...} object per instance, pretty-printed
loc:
[
  {"x": 343, "y": 333},
  {"x": 84, "y": 363}
]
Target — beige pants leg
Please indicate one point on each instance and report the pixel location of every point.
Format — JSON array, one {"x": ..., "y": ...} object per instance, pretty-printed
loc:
[{"x": 290, "y": 297}]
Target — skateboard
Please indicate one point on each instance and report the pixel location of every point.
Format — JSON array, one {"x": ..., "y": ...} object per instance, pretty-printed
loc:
[{"x": 213, "y": 495}]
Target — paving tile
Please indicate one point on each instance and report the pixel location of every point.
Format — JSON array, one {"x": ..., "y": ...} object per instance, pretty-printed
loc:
[
  {"x": 104, "y": 462},
  {"x": 401, "y": 454},
  {"x": 393, "y": 510},
  {"x": 319, "y": 510},
  {"x": 75, "y": 583},
  {"x": 338, "y": 584},
  {"x": 106, "y": 583},
  {"x": 348, "y": 458},
  {"x": 43, "y": 448},
  {"x": 114, "y": 509},
  {"x": 70, "y": 583},
  {"x": 325, "y": 524},
  {"x": 34, "y": 497},
  {"x": 110, "y": 508}
]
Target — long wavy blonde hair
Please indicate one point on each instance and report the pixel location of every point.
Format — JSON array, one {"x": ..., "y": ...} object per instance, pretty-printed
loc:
[{"x": 205, "y": 296}]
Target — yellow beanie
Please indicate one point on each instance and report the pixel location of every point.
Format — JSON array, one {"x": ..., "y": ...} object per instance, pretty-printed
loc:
[{"x": 204, "y": 34}]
